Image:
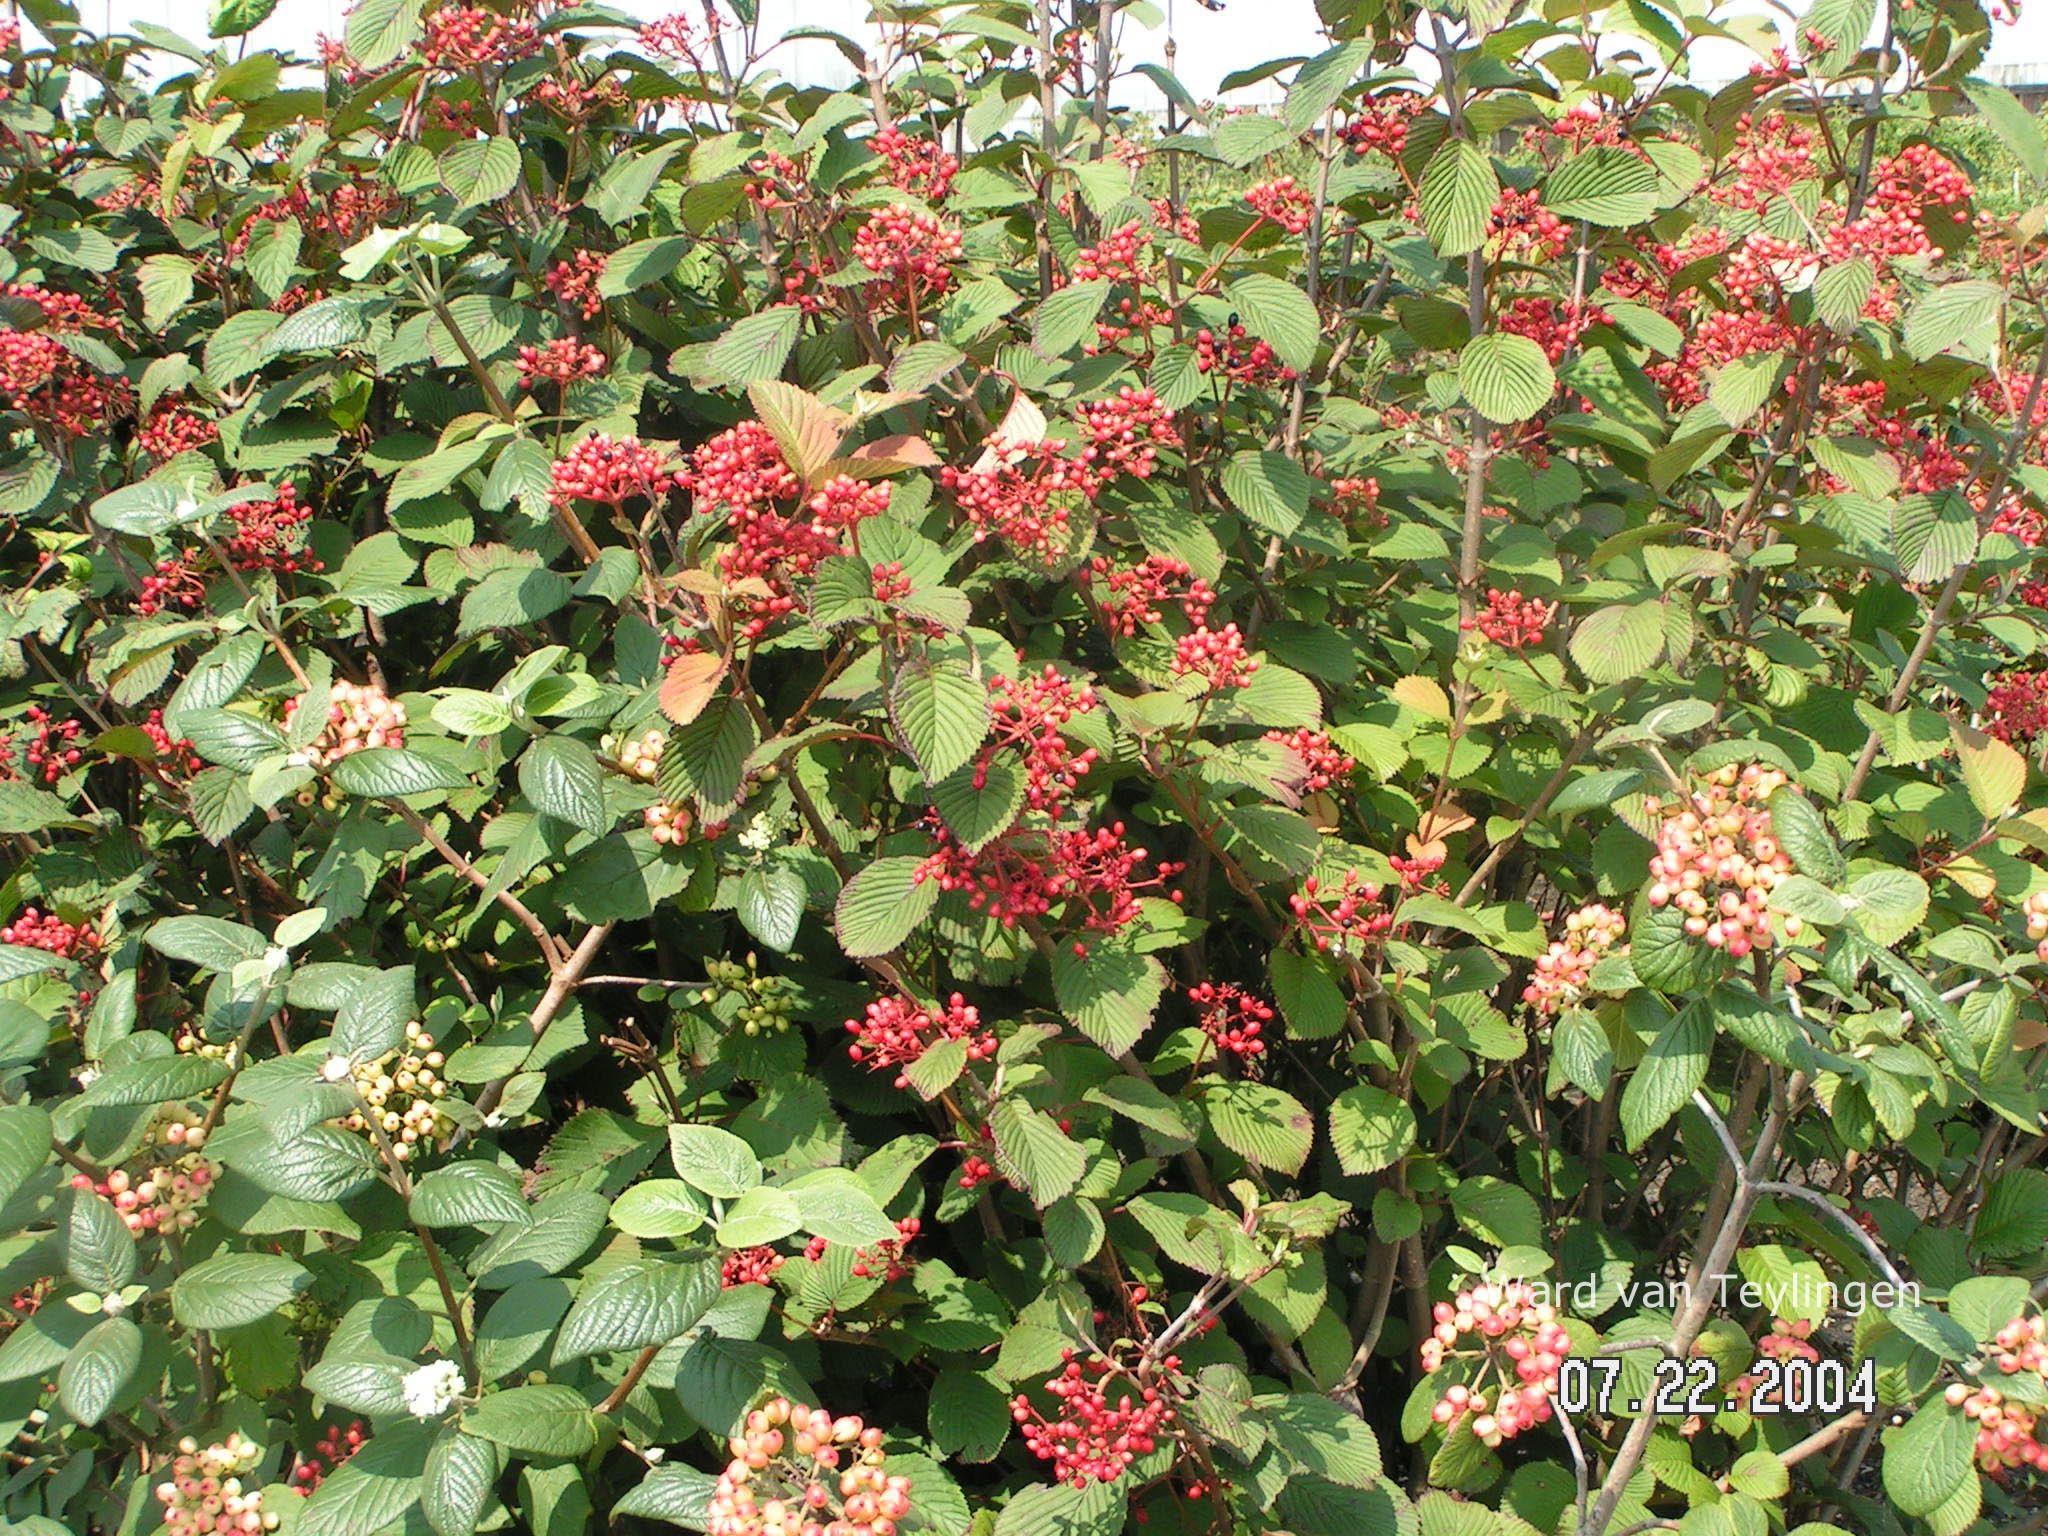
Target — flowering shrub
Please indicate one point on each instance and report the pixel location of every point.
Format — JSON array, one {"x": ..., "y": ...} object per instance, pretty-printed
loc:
[{"x": 1322, "y": 821}]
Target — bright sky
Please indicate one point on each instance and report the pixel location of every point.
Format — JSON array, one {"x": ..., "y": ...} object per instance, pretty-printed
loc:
[{"x": 1210, "y": 44}]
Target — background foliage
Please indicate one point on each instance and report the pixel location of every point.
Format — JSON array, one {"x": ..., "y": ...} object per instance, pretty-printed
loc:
[{"x": 1073, "y": 788}]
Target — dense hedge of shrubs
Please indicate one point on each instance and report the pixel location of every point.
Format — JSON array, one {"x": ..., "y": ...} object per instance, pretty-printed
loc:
[{"x": 923, "y": 809}]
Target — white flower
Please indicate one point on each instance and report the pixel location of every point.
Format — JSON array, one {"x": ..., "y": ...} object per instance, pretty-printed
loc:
[
  {"x": 87, "y": 1076},
  {"x": 113, "y": 1304},
  {"x": 335, "y": 1068},
  {"x": 757, "y": 836},
  {"x": 429, "y": 1390}
]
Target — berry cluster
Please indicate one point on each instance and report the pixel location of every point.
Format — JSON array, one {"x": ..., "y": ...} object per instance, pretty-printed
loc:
[
  {"x": 51, "y": 752},
  {"x": 271, "y": 535},
  {"x": 742, "y": 468},
  {"x": 1326, "y": 762},
  {"x": 165, "y": 1199},
  {"x": 2035, "y": 910},
  {"x": 916, "y": 165},
  {"x": 2016, "y": 709},
  {"x": 1552, "y": 324},
  {"x": 205, "y": 1496},
  {"x": 638, "y": 757},
  {"x": 1090, "y": 1438},
  {"x": 797, "y": 1471},
  {"x": 35, "y": 929},
  {"x": 1358, "y": 500},
  {"x": 1517, "y": 1345},
  {"x": 765, "y": 1004},
  {"x": 1522, "y": 227},
  {"x": 562, "y": 361},
  {"x": 1126, "y": 433},
  {"x": 401, "y": 1091},
  {"x": 1118, "y": 256},
  {"x": 675, "y": 37},
  {"x": 359, "y": 715},
  {"x": 749, "y": 1266},
  {"x": 1564, "y": 971},
  {"x": 888, "y": 1256},
  {"x": 172, "y": 430},
  {"x": 1717, "y": 860},
  {"x": 1281, "y": 201},
  {"x": 1024, "y": 874},
  {"x": 667, "y": 823},
  {"x": 1382, "y": 123},
  {"x": 911, "y": 252},
  {"x": 175, "y": 583},
  {"x": 329, "y": 1451},
  {"x": 1231, "y": 1017},
  {"x": 1139, "y": 594},
  {"x": 171, "y": 756},
  {"x": 1024, "y": 497},
  {"x": 1026, "y": 717},
  {"x": 2006, "y": 1439},
  {"x": 1250, "y": 363},
  {"x": 1512, "y": 621},
  {"x": 1216, "y": 657},
  {"x": 1351, "y": 924},
  {"x": 895, "y": 1032},
  {"x": 2021, "y": 1345},
  {"x": 574, "y": 282},
  {"x": 610, "y": 470},
  {"x": 463, "y": 37}
]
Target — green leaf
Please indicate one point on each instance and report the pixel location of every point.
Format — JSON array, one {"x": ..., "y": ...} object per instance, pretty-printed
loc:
[
  {"x": 658, "y": 1208},
  {"x": 1309, "y": 997},
  {"x": 1459, "y": 190},
  {"x": 678, "y": 1495},
  {"x": 1887, "y": 904},
  {"x": 1927, "y": 1457},
  {"x": 546, "y": 1420},
  {"x": 1993, "y": 773},
  {"x": 1933, "y": 535},
  {"x": 940, "y": 710},
  {"x": 634, "y": 1305},
  {"x": 977, "y": 814},
  {"x": 1663, "y": 1083},
  {"x": 560, "y": 775},
  {"x": 1604, "y": 185},
  {"x": 378, "y": 31},
  {"x": 1109, "y": 993},
  {"x": 623, "y": 189},
  {"x": 1803, "y": 836},
  {"x": 770, "y": 902},
  {"x": 97, "y": 1251},
  {"x": 2017, "y": 127},
  {"x": 1270, "y": 489},
  {"x": 480, "y": 170},
  {"x": 761, "y": 1215},
  {"x": 455, "y": 1488},
  {"x": 1841, "y": 289},
  {"x": 1370, "y": 1128},
  {"x": 1507, "y": 378},
  {"x": 1498, "y": 1212},
  {"x": 374, "y": 1488},
  {"x": 1259, "y": 1123},
  {"x": 713, "y": 1160},
  {"x": 755, "y": 346},
  {"x": 94, "y": 1374},
  {"x": 156, "y": 1080},
  {"x": 1620, "y": 641},
  {"x": 1278, "y": 313},
  {"x": 1319, "y": 82},
  {"x": 1740, "y": 388},
  {"x": 881, "y": 906},
  {"x": 467, "y": 1194},
  {"x": 1034, "y": 1153},
  {"x": 1067, "y": 318},
  {"x": 1951, "y": 315},
  {"x": 24, "y": 1146},
  {"x": 386, "y": 772},
  {"x": 231, "y": 1289}
]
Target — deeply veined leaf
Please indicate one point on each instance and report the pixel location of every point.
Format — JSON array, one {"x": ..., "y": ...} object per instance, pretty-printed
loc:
[{"x": 1507, "y": 378}]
